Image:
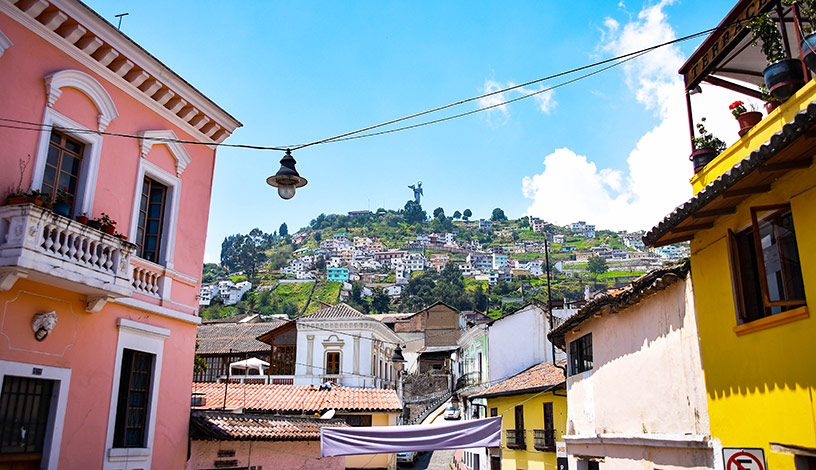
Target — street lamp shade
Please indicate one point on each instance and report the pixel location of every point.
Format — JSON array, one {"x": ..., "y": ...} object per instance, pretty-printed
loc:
[
  {"x": 287, "y": 179},
  {"x": 397, "y": 357}
]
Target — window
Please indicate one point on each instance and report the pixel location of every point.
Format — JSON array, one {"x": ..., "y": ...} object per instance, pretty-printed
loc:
[
  {"x": 357, "y": 421},
  {"x": 134, "y": 395},
  {"x": 62, "y": 165},
  {"x": 284, "y": 350},
  {"x": 25, "y": 404},
  {"x": 494, "y": 412},
  {"x": 151, "y": 218},
  {"x": 766, "y": 271},
  {"x": 580, "y": 354},
  {"x": 545, "y": 438},
  {"x": 333, "y": 363}
]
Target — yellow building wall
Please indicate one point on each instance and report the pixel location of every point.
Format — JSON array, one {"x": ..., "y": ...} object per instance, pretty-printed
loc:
[
  {"x": 375, "y": 460},
  {"x": 760, "y": 385},
  {"x": 529, "y": 459}
]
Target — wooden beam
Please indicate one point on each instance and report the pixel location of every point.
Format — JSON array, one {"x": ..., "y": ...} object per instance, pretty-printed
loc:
[
  {"x": 692, "y": 227},
  {"x": 747, "y": 191},
  {"x": 752, "y": 92},
  {"x": 755, "y": 73},
  {"x": 714, "y": 212},
  {"x": 789, "y": 165},
  {"x": 671, "y": 241}
]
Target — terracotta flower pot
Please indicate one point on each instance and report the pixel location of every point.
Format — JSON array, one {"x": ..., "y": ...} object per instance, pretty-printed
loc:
[
  {"x": 771, "y": 105},
  {"x": 82, "y": 219},
  {"x": 14, "y": 200},
  {"x": 748, "y": 120},
  {"x": 109, "y": 229}
]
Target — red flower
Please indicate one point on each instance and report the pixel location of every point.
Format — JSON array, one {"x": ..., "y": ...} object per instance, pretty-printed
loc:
[{"x": 735, "y": 104}]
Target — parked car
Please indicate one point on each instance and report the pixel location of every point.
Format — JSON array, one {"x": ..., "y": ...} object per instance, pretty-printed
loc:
[
  {"x": 407, "y": 457},
  {"x": 453, "y": 413}
]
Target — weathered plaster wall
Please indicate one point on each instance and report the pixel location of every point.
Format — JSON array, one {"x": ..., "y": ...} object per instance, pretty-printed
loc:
[{"x": 284, "y": 455}]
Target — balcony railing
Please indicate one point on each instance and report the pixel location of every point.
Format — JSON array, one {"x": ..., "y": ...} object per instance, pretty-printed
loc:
[
  {"x": 469, "y": 379},
  {"x": 38, "y": 244},
  {"x": 147, "y": 279},
  {"x": 515, "y": 439},
  {"x": 544, "y": 439}
]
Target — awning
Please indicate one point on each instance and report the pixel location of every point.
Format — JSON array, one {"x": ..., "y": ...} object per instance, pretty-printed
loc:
[
  {"x": 251, "y": 363},
  {"x": 389, "y": 439}
]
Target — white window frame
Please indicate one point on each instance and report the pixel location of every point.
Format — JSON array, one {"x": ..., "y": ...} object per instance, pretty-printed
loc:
[
  {"x": 59, "y": 402},
  {"x": 144, "y": 338},
  {"x": 89, "y": 170},
  {"x": 171, "y": 205}
]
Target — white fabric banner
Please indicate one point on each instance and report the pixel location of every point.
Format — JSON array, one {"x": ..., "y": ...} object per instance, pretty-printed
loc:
[{"x": 389, "y": 439}]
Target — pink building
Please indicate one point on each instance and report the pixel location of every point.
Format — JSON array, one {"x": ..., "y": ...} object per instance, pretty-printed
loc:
[{"x": 97, "y": 333}]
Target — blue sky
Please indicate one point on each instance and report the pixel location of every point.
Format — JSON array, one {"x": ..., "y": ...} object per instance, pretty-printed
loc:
[{"x": 295, "y": 72}]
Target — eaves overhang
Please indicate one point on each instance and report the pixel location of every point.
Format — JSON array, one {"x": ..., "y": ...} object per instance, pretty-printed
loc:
[{"x": 789, "y": 149}]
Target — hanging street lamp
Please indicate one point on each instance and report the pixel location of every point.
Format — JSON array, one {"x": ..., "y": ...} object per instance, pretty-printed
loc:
[{"x": 287, "y": 179}]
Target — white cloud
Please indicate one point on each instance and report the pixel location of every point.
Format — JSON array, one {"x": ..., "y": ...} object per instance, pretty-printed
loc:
[
  {"x": 208, "y": 258},
  {"x": 544, "y": 99},
  {"x": 658, "y": 166}
]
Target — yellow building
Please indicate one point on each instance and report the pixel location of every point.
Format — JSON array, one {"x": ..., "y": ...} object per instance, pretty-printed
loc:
[
  {"x": 533, "y": 405},
  {"x": 750, "y": 224}
]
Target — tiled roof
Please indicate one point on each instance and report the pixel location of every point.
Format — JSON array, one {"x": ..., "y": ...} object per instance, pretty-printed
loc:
[
  {"x": 297, "y": 398},
  {"x": 340, "y": 310},
  {"x": 714, "y": 191},
  {"x": 219, "y": 338},
  {"x": 245, "y": 318},
  {"x": 535, "y": 379},
  {"x": 650, "y": 282},
  {"x": 209, "y": 425},
  {"x": 390, "y": 317}
]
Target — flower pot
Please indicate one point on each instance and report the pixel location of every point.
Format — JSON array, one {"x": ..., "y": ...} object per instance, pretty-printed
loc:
[
  {"x": 771, "y": 105},
  {"x": 748, "y": 120},
  {"x": 784, "y": 77},
  {"x": 701, "y": 157},
  {"x": 109, "y": 229},
  {"x": 82, "y": 219},
  {"x": 14, "y": 200},
  {"x": 809, "y": 51},
  {"x": 94, "y": 224},
  {"x": 62, "y": 208}
]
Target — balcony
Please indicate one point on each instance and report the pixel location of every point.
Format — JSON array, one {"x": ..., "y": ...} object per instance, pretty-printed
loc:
[
  {"x": 515, "y": 439},
  {"x": 258, "y": 379},
  {"x": 544, "y": 440},
  {"x": 40, "y": 245}
]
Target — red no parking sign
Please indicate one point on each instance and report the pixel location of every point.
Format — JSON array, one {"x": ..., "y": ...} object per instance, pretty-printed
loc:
[{"x": 741, "y": 458}]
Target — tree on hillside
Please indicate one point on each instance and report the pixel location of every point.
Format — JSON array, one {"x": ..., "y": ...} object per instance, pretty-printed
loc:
[
  {"x": 457, "y": 215},
  {"x": 498, "y": 215},
  {"x": 479, "y": 299},
  {"x": 317, "y": 237},
  {"x": 466, "y": 215},
  {"x": 380, "y": 302},
  {"x": 597, "y": 266},
  {"x": 439, "y": 212},
  {"x": 213, "y": 272},
  {"x": 245, "y": 252},
  {"x": 413, "y": 213},
  {"x": 283, "y": 231}
]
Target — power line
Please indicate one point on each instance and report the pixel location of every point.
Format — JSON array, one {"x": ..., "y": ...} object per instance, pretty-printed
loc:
[{"x": 614, "y": 61}]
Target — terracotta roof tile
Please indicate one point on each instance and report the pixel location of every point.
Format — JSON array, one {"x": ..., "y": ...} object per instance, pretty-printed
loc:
[
  {"x": 536, "y": 378},
  {"x": 208, "y": 425},
  {"x": 297, "y": 398},
  {"x": 650, "y": 282},
  {"x": 219, "y": 338}
]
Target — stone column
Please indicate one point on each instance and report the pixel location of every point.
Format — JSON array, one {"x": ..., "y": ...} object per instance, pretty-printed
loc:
[
  {"x": 309, "y": 353},
  {"x": 356, "y": 355}
]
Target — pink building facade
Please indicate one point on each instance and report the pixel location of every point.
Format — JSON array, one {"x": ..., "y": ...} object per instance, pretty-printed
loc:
[{"x": 97, "y": 330}]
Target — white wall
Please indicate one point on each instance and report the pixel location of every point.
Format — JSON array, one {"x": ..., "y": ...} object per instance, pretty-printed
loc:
[{"x": 517, "y": 342}]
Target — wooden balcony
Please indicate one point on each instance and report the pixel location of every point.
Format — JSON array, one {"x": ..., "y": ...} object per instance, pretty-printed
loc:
[
  {"x": 40, "y": 245},
  {"x": 544, "y": 440},
  {"x": 515, "y": 439}
]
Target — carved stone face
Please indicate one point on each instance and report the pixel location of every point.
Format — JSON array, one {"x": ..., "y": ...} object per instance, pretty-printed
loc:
[{"x": 43, "y": 323}]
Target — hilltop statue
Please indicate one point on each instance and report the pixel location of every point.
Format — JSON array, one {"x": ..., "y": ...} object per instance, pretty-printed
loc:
[{"x": 417, "y": 191}]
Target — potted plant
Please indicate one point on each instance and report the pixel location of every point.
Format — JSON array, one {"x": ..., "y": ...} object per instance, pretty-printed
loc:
[
  {"x": 82, "y": 218},
  {"x": 771, "y": 103},
  {"x": 807, "y": 10},
  {"x": 706, "y": 147},
  {"x": 746, "y": 119},
  {"x": 120, "y": 236},
  {"x": 107, "y": 224},
  {"x": 36, "y": 197},
  {"x": 16, "y": 195},
  {"x": 783, "y": 76},
  {"x": 62, "y": 203}
]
